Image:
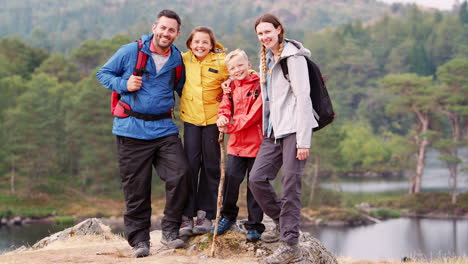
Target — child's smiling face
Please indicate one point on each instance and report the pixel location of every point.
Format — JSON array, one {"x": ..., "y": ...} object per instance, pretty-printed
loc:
[
  {"x": 238, "y": 67},
  {"x": 201, "y": 45}
]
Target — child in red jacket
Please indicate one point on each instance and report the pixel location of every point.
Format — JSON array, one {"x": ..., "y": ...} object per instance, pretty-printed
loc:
[{"x": 244, "y": 106}]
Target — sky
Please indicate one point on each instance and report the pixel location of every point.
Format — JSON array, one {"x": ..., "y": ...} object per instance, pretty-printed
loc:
[{"x": 440, "y": 4}]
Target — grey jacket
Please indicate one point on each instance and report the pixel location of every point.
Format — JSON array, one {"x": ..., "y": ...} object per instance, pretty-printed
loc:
[{"x": 290, "y": 105}]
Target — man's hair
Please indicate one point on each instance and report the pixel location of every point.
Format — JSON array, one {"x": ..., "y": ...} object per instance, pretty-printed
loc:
[
  {"x": 170, "y": 14},
  {"x": 235, "y": 53}
]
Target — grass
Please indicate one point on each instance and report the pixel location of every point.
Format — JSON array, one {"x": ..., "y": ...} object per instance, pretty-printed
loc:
[
  {"x": 64, "y": 220},
  {"x": 428, "y": 202},
  {"x": 384, "y": 213},
  {"x": 72, "y": 203},
  {"x": 339, "y": 206}
]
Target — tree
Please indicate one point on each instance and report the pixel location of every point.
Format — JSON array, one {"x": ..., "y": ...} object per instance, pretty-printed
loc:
[
  {"x": 21, "y": 59},
  {"x": 61, "y": 68},
  {"x": 362, "y": 151},
  {"x": 413, "y": 95},
  {"x": 88, "y": 124},
  {"x": 11, "y": 88},
  {"x": 325, "y": 155},
  {"x": 463, "y": 12},
  {"x": 452, "y": 98},
  {"x": 35, "y": 132}
]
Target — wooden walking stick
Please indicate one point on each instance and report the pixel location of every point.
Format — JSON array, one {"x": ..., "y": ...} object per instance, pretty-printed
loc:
[{"x": 220, "y": 192}]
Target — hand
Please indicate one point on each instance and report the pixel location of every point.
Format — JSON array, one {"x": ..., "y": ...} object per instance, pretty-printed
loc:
[
  {"x": 302, "y": 153},
  {"x": 222, "y": 129},
  {"x": 134, "y": 83},
  {"x": 222, "y": 121},
  {"x": 226, "y": 85}
]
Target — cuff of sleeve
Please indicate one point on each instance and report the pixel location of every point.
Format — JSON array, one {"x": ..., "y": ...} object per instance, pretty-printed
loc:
[{"x": 123, "y": 87}]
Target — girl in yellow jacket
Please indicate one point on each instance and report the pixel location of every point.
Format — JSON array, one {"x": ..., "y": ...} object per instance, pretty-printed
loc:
[{"x": 202, "y": 93}]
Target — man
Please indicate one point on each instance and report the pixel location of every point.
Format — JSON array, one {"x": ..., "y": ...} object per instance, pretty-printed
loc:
[{"x": 142, "y": 144}]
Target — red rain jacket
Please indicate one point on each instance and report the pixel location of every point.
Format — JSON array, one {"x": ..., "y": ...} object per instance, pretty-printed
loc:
[{"x": 246, "y": 126}]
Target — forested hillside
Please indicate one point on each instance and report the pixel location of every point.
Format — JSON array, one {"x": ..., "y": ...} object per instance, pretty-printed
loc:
[
  {"x": 61, "y": 26},
  {"x": 398, "y": 82}
]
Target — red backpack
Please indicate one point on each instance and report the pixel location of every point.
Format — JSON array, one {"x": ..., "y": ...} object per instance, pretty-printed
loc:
[{"x": 122, "y": 109}]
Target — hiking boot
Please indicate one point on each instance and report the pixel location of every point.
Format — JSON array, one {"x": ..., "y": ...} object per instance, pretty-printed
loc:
[
  {"x": 141, "y": 249},
  {"x": 186, "y": 228},
  {"x": 202, "y": 225},
  {"x": 271, "y": 236},
  {"x": 284, "y": 254},
  {"x": 223, "y": 226},
  {"x": 171, "y": 239},
  {"x": 252, "y": 235}
]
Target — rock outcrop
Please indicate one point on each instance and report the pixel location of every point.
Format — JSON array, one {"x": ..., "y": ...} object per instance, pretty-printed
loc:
[
  {"x": 231, "y": 245},
  {"x": 91, "y": 226}
]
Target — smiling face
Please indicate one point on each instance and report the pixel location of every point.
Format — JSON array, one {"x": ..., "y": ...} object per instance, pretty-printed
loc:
[
  {"x": 238, "y": 67},
  {"x": 201, "y": 45},
  {"x": 268, "y": 35},
  {"x": 166, "y": 31}
]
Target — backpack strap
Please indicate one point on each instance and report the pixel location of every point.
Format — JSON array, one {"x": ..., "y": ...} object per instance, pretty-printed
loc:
[
  {"x": 141, "y": 61},
  {"x": 284, "y": 68}
]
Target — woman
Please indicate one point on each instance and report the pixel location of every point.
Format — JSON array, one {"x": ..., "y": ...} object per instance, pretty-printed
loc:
[{"x": 287, "y": 128}]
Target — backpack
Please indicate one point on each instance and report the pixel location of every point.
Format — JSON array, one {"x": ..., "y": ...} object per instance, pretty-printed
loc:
[
  {"x": 321, "y": 101},
  {"x": 122, "y": 109}
]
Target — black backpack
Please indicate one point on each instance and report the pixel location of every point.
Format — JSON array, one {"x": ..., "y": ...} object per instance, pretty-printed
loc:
[{"x": 321, "y": 101}]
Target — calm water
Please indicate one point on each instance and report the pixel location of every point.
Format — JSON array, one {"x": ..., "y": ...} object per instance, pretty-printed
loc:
[
  {"x": 435, "y": 177},
  {"x": 394, "y": 239},
  {"x": 12, "y": 237}
]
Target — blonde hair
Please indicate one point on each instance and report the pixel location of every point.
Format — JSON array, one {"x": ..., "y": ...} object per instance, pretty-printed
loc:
[
  {"x": 235, "y": 53},
  {"x": 269, "y": 18}
]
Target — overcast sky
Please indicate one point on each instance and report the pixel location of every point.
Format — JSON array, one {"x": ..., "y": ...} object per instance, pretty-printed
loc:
[{"x": 440, "y": 4}]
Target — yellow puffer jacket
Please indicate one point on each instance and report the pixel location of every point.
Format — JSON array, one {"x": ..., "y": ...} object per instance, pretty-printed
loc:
[{"x": 202, "y": 91}]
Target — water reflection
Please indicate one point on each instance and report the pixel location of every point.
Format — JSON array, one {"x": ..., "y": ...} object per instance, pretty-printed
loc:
[
  {"x": 394, "y": 239},
  {"x": 12, "y": 237},
  {"x": 435, "y": 177}
]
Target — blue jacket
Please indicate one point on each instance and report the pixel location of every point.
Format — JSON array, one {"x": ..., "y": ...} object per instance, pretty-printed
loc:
[{"x": 155, "y": 97}]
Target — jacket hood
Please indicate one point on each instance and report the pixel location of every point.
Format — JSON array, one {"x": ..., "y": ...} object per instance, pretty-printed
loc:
[
  {"x": 219, "y": 48},
  {"x": 252, "y": 78},
  {"x": 294, "y": 47}
]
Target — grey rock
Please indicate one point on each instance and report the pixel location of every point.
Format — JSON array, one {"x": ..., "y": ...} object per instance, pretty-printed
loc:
[
  {"x": 91, "y": 226},
  {"x": 167, "y": 252}
]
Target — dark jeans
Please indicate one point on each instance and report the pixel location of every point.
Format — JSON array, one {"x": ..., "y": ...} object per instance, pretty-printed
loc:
[
  {"x": 267, "y": 164},
  {"x": 136, "y": 159},
  {"x": 237, "y": 169},
  {"x": 202, "y": 149}
]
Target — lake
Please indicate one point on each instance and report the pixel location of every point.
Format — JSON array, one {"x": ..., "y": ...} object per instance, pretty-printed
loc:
[
  {"x": 397, "y": 238},
  {"x": 392, "y": 239},
  {"x": 435, "y": 178}
]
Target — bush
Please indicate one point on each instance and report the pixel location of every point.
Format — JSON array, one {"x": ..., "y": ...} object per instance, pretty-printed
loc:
[
  {"x": 6, "y": 214},
  {"x": 383, "y": 213},
  {"x": 62, "y": 220}
]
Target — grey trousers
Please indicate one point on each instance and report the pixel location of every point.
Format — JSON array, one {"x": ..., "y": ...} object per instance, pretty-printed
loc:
[{"x": 287, "y": 210}]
